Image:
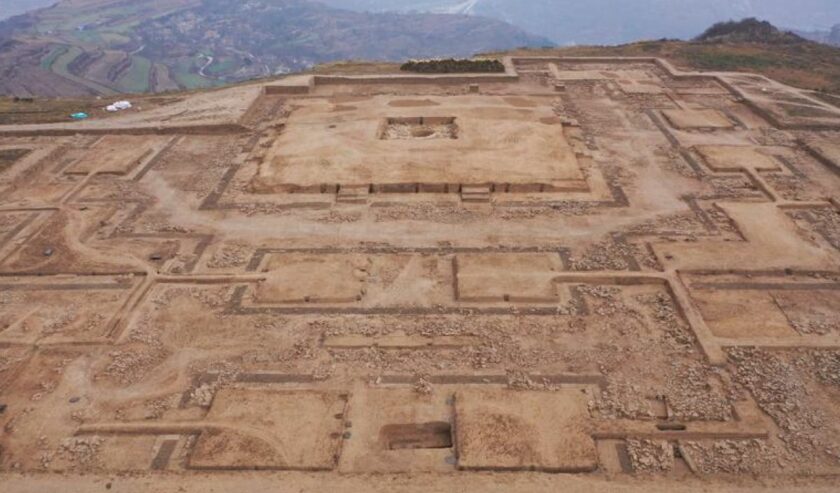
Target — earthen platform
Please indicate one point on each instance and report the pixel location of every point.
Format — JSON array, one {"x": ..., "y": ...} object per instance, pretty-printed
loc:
[{"x": 583, "y": 274}]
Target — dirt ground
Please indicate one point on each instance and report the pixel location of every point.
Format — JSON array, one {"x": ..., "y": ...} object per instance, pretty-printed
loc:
[{"x": 584, "y": 274}]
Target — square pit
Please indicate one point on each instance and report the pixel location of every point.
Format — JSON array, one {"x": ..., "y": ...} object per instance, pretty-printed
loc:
[
  {"x": 638, "y": 82},
  {"x": 302, "y": 278},
  {"x": 512, "y": 277},
  {"x": 811, "y": 312},
  {"x": 325, "y": 146},
  {"x": 697, "y": 119},
  {"x": 398, "y": 430},
  {"x": 68, "y": 310},
  {"x": 505, "y": 430},
  {"x": 736, "y": 158},
  {"x": 116, "y": 154},
  {"x": 735, "y": 314},
  {"x": 423, "y": 128},
  {"x": 264, "y": 429}
]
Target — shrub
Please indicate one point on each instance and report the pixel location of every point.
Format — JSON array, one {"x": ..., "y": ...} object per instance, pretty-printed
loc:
[{"x": 453, "y": 66}]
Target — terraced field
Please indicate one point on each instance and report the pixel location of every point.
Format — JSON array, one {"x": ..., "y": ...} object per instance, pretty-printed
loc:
[{"x": 102, "y": 47}]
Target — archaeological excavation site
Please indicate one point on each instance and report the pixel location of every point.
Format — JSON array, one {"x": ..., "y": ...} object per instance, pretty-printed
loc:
[{"x": 579, "y": 274}]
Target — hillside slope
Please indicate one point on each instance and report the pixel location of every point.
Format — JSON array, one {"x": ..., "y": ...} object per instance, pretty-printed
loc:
[
  {"x": 798, "y": 63},
  {"x": 106, "y": 46},
  {"x": 749, "y": 30}
]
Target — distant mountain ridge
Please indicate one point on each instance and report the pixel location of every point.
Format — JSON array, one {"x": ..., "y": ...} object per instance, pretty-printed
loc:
[
  {"x": 105, "y": 46},
  {"x": 830, "y": 37},
  {"x": 606, "y": 22}
]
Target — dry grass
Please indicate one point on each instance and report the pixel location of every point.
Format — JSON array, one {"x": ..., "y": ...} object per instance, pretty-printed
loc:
[
  {"x": 356, "y": 67},
  {"x": 56, "y": 110},
  {"x": 806, "y": 65}
]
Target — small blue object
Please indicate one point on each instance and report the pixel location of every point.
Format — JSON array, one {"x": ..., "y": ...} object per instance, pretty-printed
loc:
[{"x": 79, "y": 116}]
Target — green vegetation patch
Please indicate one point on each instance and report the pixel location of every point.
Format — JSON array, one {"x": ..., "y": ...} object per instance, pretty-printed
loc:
[
  {"x": 453, "y": 66},
  {"x": 188, "y": 79},
  {"x": 136, "y": 78},
  {"x": 716, "y": 60},
  {"x": 88, "y": 37},
  {"x": 61, "y": 63},
  {"x": 221, "y": 66},
  {"x": 48, "y": 61},
  {"x": 61, "y": 67},
  {"x": 114, "y": 39}
]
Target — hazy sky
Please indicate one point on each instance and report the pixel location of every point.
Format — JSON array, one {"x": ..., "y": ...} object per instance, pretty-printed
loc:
[
  {"x": 9, "y": 8},
  {"x": 591, "y": 21}
]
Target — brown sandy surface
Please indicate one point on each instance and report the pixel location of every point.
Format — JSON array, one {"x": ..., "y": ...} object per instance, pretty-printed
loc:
[{"x": 584, "y": 274}]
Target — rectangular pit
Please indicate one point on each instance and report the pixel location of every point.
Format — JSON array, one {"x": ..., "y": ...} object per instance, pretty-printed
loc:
[
  {"x": 265, "y": 429},
  {"x": 705, "y": 119},
  {"x": 737, "y": 158},
  {"x": 504, "y": 430},
  {"x": 399, "y": 430},
  {"x": 116, "y": 154},
  {"x": 435, "y": 434},
  {"x": 424, "y": 128},
  {"x": 516, "y": 278}
]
